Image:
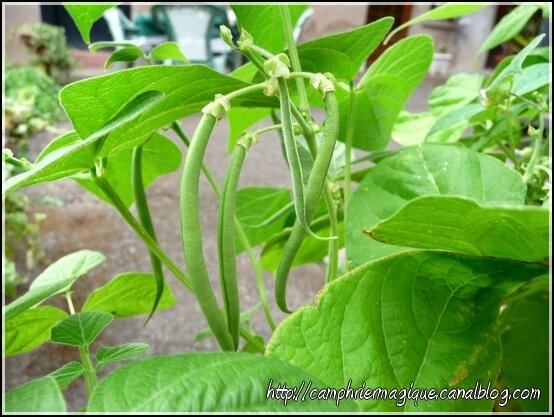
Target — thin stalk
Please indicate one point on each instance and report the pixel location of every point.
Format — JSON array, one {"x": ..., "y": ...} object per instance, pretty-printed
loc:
[
  {"x": 91, "y": 379},
  {"x": 349, "y": 138},
  {"x": 258, "y": 272},
  {"x": 141, "y": 203},
  {"x": 150, "y": 243},
  {"x": 294, "y": 60},
  {"x": 537, "y": 150},
  {"x": 511, "y": 141}
]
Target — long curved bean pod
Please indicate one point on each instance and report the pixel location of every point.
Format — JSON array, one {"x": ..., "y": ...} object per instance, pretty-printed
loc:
[
  {"x": 294, "y": 160},
  {"x": 315, "y": 185},
  {"x": 226, "y": 238},
  {"x": 146, "y": 220},
  {"x": 192, "y": 235}
]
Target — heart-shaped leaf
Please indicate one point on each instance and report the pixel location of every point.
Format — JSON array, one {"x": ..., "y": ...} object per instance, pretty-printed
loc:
[
  {"x": 84, "y": 16},
  {"x": 80, "y": 329}
]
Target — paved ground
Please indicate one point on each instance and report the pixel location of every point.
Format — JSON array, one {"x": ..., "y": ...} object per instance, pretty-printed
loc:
[{"x": 85, "y": 222}]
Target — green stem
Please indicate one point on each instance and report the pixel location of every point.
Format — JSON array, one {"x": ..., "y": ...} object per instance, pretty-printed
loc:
[
  {"x": 252, "y": 340},
  {"x": 294, "y": 60},
  {"x": 152, "y": 245},
  {"x": 145, "y": 219},
  {"x": 258, "y": 272},
  {"x": 511, "y": 141},
  {"x": 91, "y": 379},
  {"x": 349, "y": 138},
  {"x": 537, "y": 151}
]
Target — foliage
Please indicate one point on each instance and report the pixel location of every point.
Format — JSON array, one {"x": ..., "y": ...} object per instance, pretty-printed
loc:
[
  {"x": 48, "y": 49},
  {"x": 446, "y": 237}
]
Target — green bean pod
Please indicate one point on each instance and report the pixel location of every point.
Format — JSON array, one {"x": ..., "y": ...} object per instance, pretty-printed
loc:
[
  {"x": 226, "y": 238},
  {"x": 146, "y": 221},
  {"x": 314, "y": 188},
  {"x": 192, "y": 235},
  {"x": 293, "y": 159}
]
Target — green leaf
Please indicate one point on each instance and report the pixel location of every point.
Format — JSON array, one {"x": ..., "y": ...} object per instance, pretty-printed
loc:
[
  {"x": 128, "y": 294},
  {"x": 168, "y": 50},
  {"x": 514, "y": 68},
  {"x": 204, "y": 382},
  {"x": 240, "y": 119},
  {"x": 30, "y": 329},
  {"x": 67, "y": 374},
  {"x": 421, "y": 317},
  {"x": 532, "y": 78},
  {"x": 81, "y": 155},
  {"x": 106, "y": 355},
  {"x": 80, "y": 329},
  {"x": 525, "y": 348},
  {"x": 461, "y": 225},
  {"x": 125, "y": 54},
  {"x": 39, "y": 396},
  {"x": 411, "y": 128},
  {"x": 384, "y": 90},
  {"x": 84, "y": 16},
  {"x": 428, "y": 169},
  {"x": 187, "y": 89},
  {"x": 454, "y": 122},
  {"x": 444, "y": 12},
  {"x": 254, "y": 206},
  {"x": 342, "y": 54},
  {"x": 159, "y": 156},
  {"x": 265, "y": 24},
  {"x": 459, "y": 90},
  {"x": 57, "y": 278},
  {"x": 509, "y": 26}
]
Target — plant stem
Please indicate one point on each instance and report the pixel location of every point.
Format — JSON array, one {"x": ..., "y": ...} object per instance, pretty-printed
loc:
[
  {"x": 152, "y": 245},
  {"x": 511, "y": 141},
  {"x": 252, "y": 340},
  {"x": 91, "y": 379},
  {"x": 537, "y": 150},
  {"x": 258, "y": 272},
  {"x": 294, "y": 60},
  {"x": 141, "y": 203},
  {"x": 348, "y": 152}
]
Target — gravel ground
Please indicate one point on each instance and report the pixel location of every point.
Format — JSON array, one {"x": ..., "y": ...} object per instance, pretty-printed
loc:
[{"x": 87, "y": 223}]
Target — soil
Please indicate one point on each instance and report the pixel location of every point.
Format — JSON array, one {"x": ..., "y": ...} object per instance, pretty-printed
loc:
[{"x": 84, "y": 222}]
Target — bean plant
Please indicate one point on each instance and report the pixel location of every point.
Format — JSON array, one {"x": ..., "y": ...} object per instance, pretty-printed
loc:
[{"x": 436, "y": 251}]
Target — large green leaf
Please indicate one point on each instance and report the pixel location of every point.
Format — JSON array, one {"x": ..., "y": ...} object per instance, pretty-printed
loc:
[
  {"x": 159, "y": 156},
  {"x": 265, "y": 24},
  {"x": 80, "y": 329},
  {"x": 240, "y": 119},
  {"x": 423, "y": 170},
  {"x": 384, "y": 90},
  {"x": 56, "y": 278},
  {"x": 532, "y": 78},
  {"x": 205, "y": 382},
  {"x": 30, "y": 329},
  {"x": 419, "y": 317},
  {"x": 39, "y": 396},
  {"x": 187, "y": 89},
  {"x": 459, "y": 90},
  {"x": 67, "y": 374},
  {"x": 128, "y": 294},
  {"x": 80, "y": 156},
  {"x": 444, "y": 12},
  {"x": 342, "y": 54},
  {"x": 254, "y": 206},
  {"x": 110, "y": 354},
  {"x": 84, "y": 16},
  {"x": 525, "y": 348},
  {"x": 461, "y": 225},
  {"x": 509, "y": 26}
]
